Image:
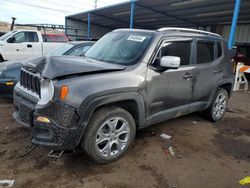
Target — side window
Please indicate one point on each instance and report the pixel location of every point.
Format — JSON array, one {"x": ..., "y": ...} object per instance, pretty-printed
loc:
[
  {"x": 31, "y": 37},
  {"x": 19, "y": 37},
  {"x": 86, "y": 48},
  {"x": 48, "y": 39},
  {"x": 219, "y": 49},
  {"x": 79, "y": 50},
  {"x": 205, "y": 52},
  {"x": 43, "y": 38},
  {"x": 181, "y": 49}
]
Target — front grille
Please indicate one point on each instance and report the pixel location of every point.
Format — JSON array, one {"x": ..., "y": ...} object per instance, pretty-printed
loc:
[{"x": 30, "y": 81}]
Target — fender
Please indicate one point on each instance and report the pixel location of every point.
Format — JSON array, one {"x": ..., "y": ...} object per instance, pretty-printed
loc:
[
  {"x": 226, "y": 81},
  {"x": 218, "y": 85},
  {"x": 91, "y": 103}
]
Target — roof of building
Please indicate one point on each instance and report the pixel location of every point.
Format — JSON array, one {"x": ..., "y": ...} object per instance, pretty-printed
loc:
[{"x": 161, "y": 13}]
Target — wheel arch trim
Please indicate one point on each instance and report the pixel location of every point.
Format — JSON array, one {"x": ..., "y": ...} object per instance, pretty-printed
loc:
[{"x": 89, "y": 105}]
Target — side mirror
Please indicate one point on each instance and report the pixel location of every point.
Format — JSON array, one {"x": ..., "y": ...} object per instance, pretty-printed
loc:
[
  {"x": 83, "y": 54},
  {"x": 11, "y": 40},
  {"x": 171, "y": 62}
]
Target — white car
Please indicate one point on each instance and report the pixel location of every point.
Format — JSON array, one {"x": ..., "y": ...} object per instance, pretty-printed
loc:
[{"x": 21, "y": 44}]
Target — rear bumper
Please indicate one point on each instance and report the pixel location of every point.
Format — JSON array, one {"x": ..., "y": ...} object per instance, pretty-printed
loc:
[{"x": 61, "y": 133}]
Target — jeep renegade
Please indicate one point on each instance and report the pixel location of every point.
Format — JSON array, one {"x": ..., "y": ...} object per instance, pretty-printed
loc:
[{"x": 128, "y": 80}]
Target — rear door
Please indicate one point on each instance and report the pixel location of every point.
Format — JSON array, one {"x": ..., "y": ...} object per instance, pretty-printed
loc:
[
  {"x": 206, "y": 73},
  {"x": 33, "y": 45}
]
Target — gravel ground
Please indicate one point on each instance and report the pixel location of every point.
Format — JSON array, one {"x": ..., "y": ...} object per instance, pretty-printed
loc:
[{"x": 215, "y": 155}]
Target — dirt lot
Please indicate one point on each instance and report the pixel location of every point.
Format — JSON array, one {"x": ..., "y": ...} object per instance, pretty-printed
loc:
[{"x": 215, "y": 155}]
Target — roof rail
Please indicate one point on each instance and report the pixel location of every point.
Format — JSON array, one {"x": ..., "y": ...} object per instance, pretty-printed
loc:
[{"x": 187, "y": 30}]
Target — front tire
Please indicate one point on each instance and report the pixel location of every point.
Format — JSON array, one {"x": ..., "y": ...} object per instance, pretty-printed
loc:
[
  {"x": 109, "y": 134},
  {"x": 218, "y": 107}
]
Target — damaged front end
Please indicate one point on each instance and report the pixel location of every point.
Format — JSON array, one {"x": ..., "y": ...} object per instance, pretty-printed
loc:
[
  {"x": 42, "y": 102},
  {"x": 53, "y": 123}
]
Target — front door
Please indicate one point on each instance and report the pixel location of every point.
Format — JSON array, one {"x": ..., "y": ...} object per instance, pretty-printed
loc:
[
  {"x": 21, "y": 47},
  {"x": 170, "y": 91}
]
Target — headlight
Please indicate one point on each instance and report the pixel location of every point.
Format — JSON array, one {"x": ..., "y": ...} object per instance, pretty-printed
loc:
[{"x": 47, "y": 92}]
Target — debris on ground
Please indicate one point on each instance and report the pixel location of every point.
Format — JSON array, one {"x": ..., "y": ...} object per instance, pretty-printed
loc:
[
  {"x": 245, "y": 180},
  {"x": 179, "y": 156},
  {"x": 7, "y": 183},
  {"x": 171, "y": 151},
  {"x": 194, "y": 122},
  {"x": 227, "y": 139},
  {"x": 168, "y": 145},
  {"x": 165, "y": 136},
  {"x": 231, "y": 111},
  {"x": 28, "y": 151}
]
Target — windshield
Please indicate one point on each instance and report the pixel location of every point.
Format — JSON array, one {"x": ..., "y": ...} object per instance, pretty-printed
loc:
[
  {"x": 6, "y": 35},
  {"x": 60, "y": 50},
  {"x": 124, "y": 48}
]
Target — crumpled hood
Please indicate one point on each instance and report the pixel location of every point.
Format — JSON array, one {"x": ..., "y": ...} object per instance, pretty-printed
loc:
[{"x": 60, "y": 66}]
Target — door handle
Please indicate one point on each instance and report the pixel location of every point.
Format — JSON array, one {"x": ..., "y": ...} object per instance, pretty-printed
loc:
[
  {"x": 188, "y": 76},
  {"x": 29, "y": 45}
]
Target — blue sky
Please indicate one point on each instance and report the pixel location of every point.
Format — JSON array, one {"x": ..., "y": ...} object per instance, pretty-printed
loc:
[{"x": 46, "y": 11}]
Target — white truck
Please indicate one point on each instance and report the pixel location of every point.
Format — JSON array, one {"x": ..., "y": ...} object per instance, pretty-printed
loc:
[{"x": 21, "y": 44}]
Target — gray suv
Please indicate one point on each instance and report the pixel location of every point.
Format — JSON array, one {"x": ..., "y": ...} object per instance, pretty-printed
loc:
[{"x": 128, "y": 80}]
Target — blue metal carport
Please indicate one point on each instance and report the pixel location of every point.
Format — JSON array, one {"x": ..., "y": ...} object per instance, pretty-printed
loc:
[{"x": 148, "y": 14}]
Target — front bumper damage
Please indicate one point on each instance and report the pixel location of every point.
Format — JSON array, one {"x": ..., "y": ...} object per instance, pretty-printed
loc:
[{"x": 61, "y": 133}]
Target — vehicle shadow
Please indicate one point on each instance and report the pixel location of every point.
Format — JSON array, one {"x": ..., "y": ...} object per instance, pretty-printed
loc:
[
  {"x": 143, "y": 136},
  {"x": 6, "y": 100}
]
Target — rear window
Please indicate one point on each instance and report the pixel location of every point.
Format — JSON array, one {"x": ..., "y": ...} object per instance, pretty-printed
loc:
[
  {"x": 47, "y": 38},
  {"x": 54, "y": 38},
  {"x": 205, "y": 52},
  {"x": 59, "y": 39},
  {"x": 31, "y": 37}
]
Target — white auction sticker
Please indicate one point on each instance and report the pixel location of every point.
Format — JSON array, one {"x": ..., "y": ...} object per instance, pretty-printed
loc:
[{"x": 136, "y": 38}]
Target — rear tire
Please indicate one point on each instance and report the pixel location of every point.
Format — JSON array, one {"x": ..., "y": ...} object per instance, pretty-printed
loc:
[
  {"x": 218, "y": 107},
  {"x": 109, "y": 134}
]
